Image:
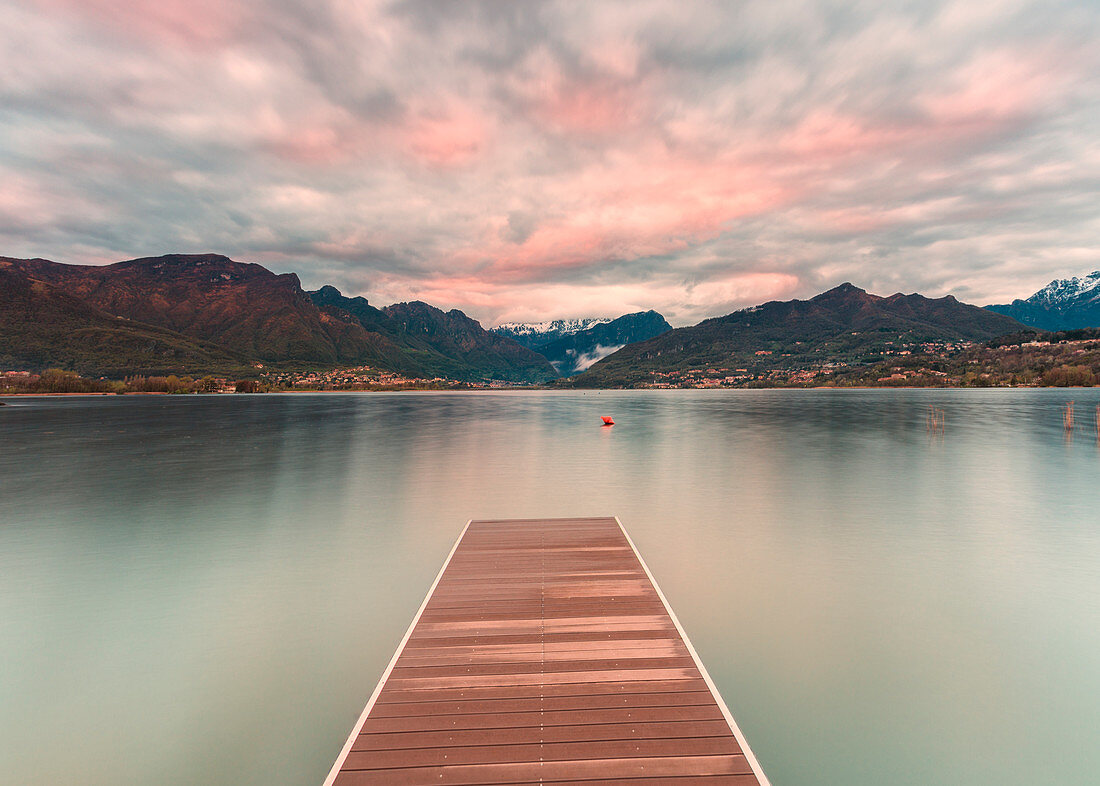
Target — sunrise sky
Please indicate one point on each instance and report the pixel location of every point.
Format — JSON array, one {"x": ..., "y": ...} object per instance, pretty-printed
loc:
[{"x": 534, "y": 160}]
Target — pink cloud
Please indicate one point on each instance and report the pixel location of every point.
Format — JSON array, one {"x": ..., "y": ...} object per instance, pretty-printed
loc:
[
  {"x": 599, "y": 103},
  {"x": 732, "y": 291},
  {"x": 992, "y": 93},
  {"x": 30, "y": 203},
  {"x": 312, "y": 145},
  {"x": 642, "y": 205},
  {"x": 191, "y": 23},
  {"x": 993, "y": 88},
  {"x": 450, "y": 137},
  {"x": 826, "y": 134},
  {"x": 862, "y": 219},
  {"x": 592, "y": 108}
]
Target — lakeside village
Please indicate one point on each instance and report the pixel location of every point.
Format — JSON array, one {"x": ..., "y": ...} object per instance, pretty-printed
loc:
[
  {"x": 1034, "y": 363},
  {"x": 1064, "y": 362},
  {"x": 57, "y": 381},
  {"x": 367, "y": 378},
  {"x": 803, "y": 377}
]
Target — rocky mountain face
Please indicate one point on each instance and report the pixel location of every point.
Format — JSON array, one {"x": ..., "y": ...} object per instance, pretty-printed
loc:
[
  {"x": 571, "y": 354},
  {"x": 42, "y": 325},
  {"x": 1063, "y": 304},
  {"x": 845, "y": 324},
  {"x": 244, "y": 313},
  {"x": 534, "y": 334},
  {"x": 243, "y": 307},
  {"x": 371, "y": 318},
  {"x": 436, "y": 343},
  {"x": 456, "y": 336}
]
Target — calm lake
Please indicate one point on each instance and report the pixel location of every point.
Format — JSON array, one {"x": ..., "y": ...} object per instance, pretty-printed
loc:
[{"x": 205, "y": 589}]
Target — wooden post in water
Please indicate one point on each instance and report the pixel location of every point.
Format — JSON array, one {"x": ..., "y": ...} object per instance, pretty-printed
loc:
[{"x": 935, "y": 420}]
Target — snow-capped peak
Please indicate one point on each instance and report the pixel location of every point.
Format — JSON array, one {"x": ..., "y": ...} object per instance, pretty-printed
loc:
[
  {"x": 563, "y": 327},
  {"x": 1064, "y": 290}
]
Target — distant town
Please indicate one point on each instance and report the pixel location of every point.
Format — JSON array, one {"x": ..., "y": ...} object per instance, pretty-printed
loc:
[
  {"x": 1031, "y": 363},
  {"x": 365, "y": 378},
  {"x": 949, "y": 364},
  {"x": 368, "y": 378}
]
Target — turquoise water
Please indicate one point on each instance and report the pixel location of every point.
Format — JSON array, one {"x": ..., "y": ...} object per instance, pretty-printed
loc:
[{"x": 206, "y": 589}]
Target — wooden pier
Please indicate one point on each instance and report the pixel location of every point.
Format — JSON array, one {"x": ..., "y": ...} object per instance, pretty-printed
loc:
[{"x": 545, "y": 652}]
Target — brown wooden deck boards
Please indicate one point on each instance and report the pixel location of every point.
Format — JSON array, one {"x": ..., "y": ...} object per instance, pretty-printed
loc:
[{"x": 545, "y": 653}]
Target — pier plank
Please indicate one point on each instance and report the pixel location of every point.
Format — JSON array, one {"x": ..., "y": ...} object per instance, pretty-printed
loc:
[{"x": 545, "y": 653}]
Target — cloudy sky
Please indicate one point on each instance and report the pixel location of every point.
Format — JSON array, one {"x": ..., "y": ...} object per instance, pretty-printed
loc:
[{"x": 531, "y": 160}]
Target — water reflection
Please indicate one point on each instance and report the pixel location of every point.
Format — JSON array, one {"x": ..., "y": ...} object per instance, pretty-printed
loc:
[{"x": 209, "y": 587}]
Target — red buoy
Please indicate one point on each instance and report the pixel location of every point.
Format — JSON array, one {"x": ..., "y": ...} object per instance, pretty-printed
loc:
[{"x": 608, "y": 421}]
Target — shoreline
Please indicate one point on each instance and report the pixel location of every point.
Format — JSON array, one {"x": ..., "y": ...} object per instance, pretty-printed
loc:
[
  {"x": 4, "y": 395},
  {"x": 100, "y": 393}
]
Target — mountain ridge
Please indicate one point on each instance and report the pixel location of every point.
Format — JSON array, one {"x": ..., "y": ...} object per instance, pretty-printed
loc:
[
  {"x": 534, "y": 334},
  {"x": 243, "y": 306},
  {"x": 845, "y": 324},
  {"x": 1063, "y": 304},
  {"x": 207, "y": 309},
  {"x": 252, "y": 314},
  {"x": 574, "y": 353},
  {"x": 439, "y": 343},
  {"x": 41, "y": 325},
  {"x": 457, "y": 335}
]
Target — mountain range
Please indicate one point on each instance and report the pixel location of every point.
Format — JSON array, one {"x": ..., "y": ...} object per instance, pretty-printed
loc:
[
  {"x": 534, "y": 334},
  {"x": 844, "y": 325},
  {"x": 188, "y": 313},
  {"x": 573, "y": 353},
  {"x": 573, "y": 345},
  {"x": 206, "y": 313},
  {"x": 209, "y": 314},
  {"x": 428, "y": 342},
  {"x": 244, "y": 308},
  {"x": 1063, "y": 304}
]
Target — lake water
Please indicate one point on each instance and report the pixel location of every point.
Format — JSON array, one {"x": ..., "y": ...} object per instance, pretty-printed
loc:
[{"x": 206, "y": 589}]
